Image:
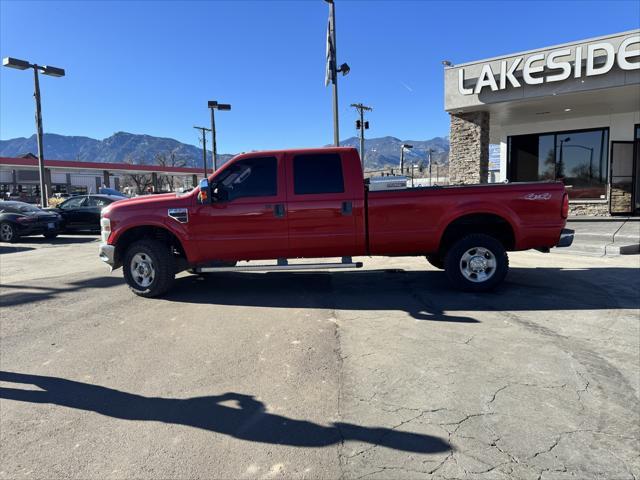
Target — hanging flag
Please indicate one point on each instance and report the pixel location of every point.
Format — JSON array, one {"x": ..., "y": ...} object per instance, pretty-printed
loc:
[{"x": 331, "y": 55}]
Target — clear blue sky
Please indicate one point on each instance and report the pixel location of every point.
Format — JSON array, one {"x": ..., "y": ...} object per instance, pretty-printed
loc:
[{"x": 149, "y": 67}]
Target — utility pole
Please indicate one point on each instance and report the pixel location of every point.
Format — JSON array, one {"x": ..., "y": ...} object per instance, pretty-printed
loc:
[
  {"x": 430, "y": 177},
  {"x": 362, "y": 126},
  {"x": 204, "y": 130}
]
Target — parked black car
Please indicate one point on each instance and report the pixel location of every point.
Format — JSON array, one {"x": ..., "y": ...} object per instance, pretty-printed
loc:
[
  {"x": 82, "y": 213},
  {"x": 19, "y": 219}
]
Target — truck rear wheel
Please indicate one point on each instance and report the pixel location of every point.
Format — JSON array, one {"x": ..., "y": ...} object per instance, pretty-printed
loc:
[
  {"x": 149, "y": 268},
  {"x": 476, "y": 263}
]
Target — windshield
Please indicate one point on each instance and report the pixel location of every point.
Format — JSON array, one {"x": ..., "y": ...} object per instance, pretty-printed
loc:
[
  {"x": 18, "y": 207},
  {"x": 28, "y": 209}
]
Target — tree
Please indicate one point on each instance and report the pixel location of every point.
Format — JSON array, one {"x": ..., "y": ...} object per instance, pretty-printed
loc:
[
  {"x": 140, "y": 181},
  {"x": 170, "y": 160}
]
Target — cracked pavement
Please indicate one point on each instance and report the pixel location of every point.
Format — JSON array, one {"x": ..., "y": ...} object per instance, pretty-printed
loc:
[{"x": 379, "y": 373}]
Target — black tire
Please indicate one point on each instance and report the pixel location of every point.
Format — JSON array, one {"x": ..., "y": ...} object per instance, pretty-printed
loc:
[
  {"x": 8, "y": 232},
  {"x": 480, "y": 248},
  {"x": 158, "y": 268},
  {"x": 436, "y": 260},
  {"x": 50, "y": 235}
]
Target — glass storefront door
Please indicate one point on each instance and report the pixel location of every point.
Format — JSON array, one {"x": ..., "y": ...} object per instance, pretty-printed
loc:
[
  {"x": 622, "y": 178},
  {"x": 636, "y": 171}
]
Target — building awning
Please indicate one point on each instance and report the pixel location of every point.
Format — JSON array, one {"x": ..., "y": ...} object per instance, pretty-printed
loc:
[{"x": 111, "y": 167}]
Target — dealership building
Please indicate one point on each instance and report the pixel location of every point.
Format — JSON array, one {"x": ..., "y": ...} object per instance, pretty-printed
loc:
[{"x": 568, "y": 112}]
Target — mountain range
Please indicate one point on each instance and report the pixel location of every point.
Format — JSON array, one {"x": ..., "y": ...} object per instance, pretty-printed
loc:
[{"x": 142, "y": 149}]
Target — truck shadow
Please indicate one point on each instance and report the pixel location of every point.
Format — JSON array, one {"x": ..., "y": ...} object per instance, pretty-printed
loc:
[
  {"x": 248, "y": 420},
  {"x": 424, "y": 295}
]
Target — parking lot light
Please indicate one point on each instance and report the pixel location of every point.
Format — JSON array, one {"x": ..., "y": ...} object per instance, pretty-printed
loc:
[
  {"x": 18, "y": 64},
  {"x": 214, "y": 105},
  {"x": 402, "y": 148}
]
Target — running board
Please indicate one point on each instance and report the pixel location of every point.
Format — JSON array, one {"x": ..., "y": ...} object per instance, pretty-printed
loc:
[{"x": 282, "y": 267}]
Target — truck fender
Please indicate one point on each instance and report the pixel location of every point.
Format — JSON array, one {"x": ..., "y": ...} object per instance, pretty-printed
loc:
[{"x": 480, "y": 208}]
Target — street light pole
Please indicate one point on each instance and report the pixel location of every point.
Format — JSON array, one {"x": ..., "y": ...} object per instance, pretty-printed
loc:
[
  {"x": 336, "y": 128},
  {"x": 214, "y": 105},
  {"x": 43, "y": 181},
  {"x": 402, "y": 147},
  {"x": 332, "y": 70},
  {"x": 214, "y": 153},
  {"x": 560, "y": 165},
  {"x": 18, "y": 64},
  {"x": 430, "y": 177}
]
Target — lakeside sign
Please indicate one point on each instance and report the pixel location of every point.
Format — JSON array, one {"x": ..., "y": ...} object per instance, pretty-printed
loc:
[{"x": 599, "y": 60}]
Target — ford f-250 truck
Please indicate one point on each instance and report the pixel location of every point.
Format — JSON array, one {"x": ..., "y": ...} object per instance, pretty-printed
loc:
[{"x": 314, "y": 203}]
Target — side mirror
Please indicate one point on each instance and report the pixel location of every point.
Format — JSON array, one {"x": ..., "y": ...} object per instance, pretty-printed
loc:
[{"x": 204, "y": 196}]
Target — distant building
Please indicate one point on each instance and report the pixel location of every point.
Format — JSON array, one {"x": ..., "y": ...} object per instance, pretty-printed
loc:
[
  {"x": 569, "y": 112},
  {"x": 19, "y": 177}
]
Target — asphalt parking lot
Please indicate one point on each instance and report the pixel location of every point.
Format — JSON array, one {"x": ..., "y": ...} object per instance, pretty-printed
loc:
[{"x": 380, "y": 373}]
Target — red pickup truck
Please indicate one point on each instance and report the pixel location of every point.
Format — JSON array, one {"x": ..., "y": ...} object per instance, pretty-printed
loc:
[{"x": 314, "y": 203}]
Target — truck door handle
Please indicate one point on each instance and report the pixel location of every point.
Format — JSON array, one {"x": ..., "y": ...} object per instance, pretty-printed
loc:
[
  {"x": 347, "y": 208},
  {"x": 278, "y": 210}
]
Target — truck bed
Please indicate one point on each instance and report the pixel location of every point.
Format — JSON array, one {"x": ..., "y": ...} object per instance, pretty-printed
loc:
[{"x": 422, "y": 214}]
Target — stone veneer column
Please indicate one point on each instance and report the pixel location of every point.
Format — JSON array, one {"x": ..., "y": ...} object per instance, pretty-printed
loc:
[{"x": 469, "y": 148}]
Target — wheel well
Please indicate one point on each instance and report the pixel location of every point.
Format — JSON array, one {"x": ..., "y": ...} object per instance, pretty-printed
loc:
[
  {"x": 147, "y": 231},
  {"x": 487, "y": 223}
]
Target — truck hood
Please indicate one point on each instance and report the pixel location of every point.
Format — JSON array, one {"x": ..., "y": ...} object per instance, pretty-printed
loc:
[
  {"x": 144, "y": 199},
  {"x": 151, "y": 202}
]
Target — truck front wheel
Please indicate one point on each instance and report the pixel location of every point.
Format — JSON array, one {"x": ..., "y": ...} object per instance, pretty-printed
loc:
[
  {"x": 476, "y": 263},
  {"x": 149, "y": 268}
]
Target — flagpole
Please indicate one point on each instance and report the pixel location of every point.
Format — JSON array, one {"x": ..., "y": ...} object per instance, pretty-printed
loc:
[{"x": 334, "y": 74}]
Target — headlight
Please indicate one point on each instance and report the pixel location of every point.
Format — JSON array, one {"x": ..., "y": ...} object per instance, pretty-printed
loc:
[{"x": 105, "y": 229}]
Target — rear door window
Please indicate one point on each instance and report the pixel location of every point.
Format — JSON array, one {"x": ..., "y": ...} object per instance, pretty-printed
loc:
[{"x": 317, "y": 173}]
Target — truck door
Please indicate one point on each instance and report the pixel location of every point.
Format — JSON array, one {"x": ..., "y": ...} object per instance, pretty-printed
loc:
[
  {"x": 321, "y": 208},
  {"x": 247, "y": 219}
]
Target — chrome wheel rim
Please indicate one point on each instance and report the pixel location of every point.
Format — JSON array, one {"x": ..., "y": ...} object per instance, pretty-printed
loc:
[
  {"x": 6, "y": 232},
  {"x": 478, "y": 264},
  {"x": 142, "y": 269}
]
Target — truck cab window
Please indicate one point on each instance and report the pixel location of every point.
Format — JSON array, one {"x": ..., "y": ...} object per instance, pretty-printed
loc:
[
  {"x": 317, "y": 173},
  {"x": 252, "y": 177}
]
